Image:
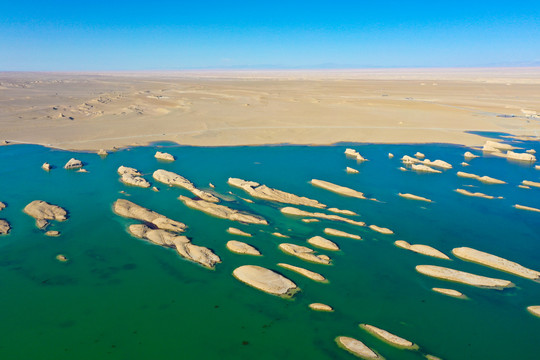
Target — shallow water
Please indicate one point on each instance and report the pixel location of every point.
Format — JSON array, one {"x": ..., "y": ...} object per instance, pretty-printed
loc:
[{"x": 122, "y": 298}]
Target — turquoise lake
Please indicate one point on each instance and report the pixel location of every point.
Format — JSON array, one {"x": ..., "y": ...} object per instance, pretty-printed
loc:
[{"x": 119, "y": 297}]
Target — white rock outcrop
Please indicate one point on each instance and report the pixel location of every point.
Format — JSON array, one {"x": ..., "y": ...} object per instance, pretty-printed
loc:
[
  {"x": 304, "y": 253},
  {"x": 297, "y": 212},
  {"x": 73, "y": 164},
  {"x": 173, "y": 179},
  {"x": 424, "y": 168},
  {"x": 469, "y": 155},
  {"x": 389, "y": 337},
  {"x": 43, "y": 211},
  {"x": 462, "y": 277},
  {"x": 131, "y": 210},
  {"x": 264, "y": 192},
  {"x": 484, "y": 179},
  {"x": 320, "y": 307},
  {"x": 351, "y": 153},
  {"x": 164, "y": 156},
  {"x": 222, "y": 211},
  {"x": 265, "y": 280},
  {"x": 525, "y": 157},
  {"x": 342, "y": 190},
  {"x": 340, "y": 233},
  {"x": 239, "y": 247},
  {"x": 419, "y": 155},
  {"x": 421, "y": 249},
  {"x": 235, "y": 231},
  {"x": 356, "y": 347},
  {"x": 414, "y": 197},
  {"x": 323, "y": 243},
  {"x": 495, "y": 262},
  {"x": 132, "y": 176},
  {"x": 305, "y": 272}
]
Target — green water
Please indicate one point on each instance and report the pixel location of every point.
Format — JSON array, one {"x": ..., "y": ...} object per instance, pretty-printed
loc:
[{"x": 122, "y": 298}]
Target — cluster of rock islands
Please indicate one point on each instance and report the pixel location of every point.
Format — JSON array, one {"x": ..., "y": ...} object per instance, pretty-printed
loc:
[{"x": 161, "y": 230}]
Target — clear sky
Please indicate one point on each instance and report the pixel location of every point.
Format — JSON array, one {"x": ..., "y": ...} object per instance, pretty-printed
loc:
[{"x": 168, "y": 35}]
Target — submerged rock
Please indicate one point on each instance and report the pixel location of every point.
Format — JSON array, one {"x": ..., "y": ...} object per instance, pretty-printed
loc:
[
  {"x": 323, "y": 243},
  {"x": 235, "y": 231},
  {"x": 389, "y": 337},
  {"x": 266, "y": 193},
  {"x": 340, "y": 233},
  {"x": 342, "y": 190},
  {"x": 449, "y": 292},
  {"x": 46, "y": 166},
  {"x": 304, "y": 253},
  {"x": 321, "y": 307},
  {"x": 527, "y": 208},
  {"x": 170, "y": 178},
  {"x": 239, "y": 247},
  {"x": 73, "y": 164},
  {"x": 421, "y": 249},
  {"x": 356, "y": 347},
  {"x": 43, "y": 211},
  {"x": 164, "y": 156},
  {"x": 381, "y": 229},
  {"x": 131, "y": 210},
  {"x": 350, "y": 170},
  {"x": 297, "y": 212},
  {"x": 4, "y": 227},
  {"x": 484, "y": 179},
  {"x": 414, "y": 197},
  {"x": 182, "y": 244},
  {"x": 265, "y": 280},
  {"x": 443, "y": 273},
  {"x": 222, "y": 211},
  {"x": 307, "y": 273},
  {"x": 495, "y": 262}
]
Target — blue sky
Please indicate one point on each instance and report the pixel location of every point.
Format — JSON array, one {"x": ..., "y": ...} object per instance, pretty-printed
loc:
[{"x": 169, "y": 35}]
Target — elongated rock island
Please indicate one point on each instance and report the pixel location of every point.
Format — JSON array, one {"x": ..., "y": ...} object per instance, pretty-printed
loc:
[
  {"x": 389, "y": 337},
  {"x": 43, "y": 211},
  {"x": 297, "y": 212},
  {"x": 414, "y": 197},
  {"x": 266, "y": 280},
  {"x": 340, "y": 233},
  {"x": 304, "y": 253},
  {"x": 421, "y": 249},
  {"x": 267, "y": 193},
  {"x": 338, "y": 189},
  {"x": 323, "y": 243},
  {"x": 239, "y": 247},
  {"x": 307, "y": 273},
  {"x": 462, "y": 277},
  {"x": 222, "y": 211},
  {"x": 495, "y": 262},
  {"x": 131, "y": 210},
  {"x": 173, "y": 179},
  {"x": 357, "y": 348}
]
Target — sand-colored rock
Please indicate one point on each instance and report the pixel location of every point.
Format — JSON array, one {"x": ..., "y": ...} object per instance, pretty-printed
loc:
[
  {"x": 280, "y": 235},
  {"x": 173, "y": 179},
  {"x": 182, "y": 244},
  {"x": 130, "y": 179},
  {"x": 304, "y": 253},
  {"x": 82, "y": 170},
  {"x": 526, "y": 157},
  {"x": 381, "y": 230},
  {"x": 340, "y": 233},
  {"x": 323, "y": 243},
  {"x": 414, "y": 197},
  {"x": 390, "y": 155},
  {"x": 239, "y": 247},
  {"x": 235, "y": 231},
  {"x": 531, "y": 183},
  {"x": 389, "y": 337},
  {"x": 128, "y": 170},
  {"x": 266, "y": 280},
  {"x": 155, "y": 189},
  {"x": 537, "y": 167},
  {"x": 484, "y": 179},
  {"x": 409, "y": 160},
  {"x": 524, "y": 187},
  {"x": 490, "y": 145},
  {"x": 534, "y": 309},
  {"x": 401, "y": 168},
  {"x": 297, "y": 212},
  {"x": 43, "y": 211},
  {"x": 73, "y": 164},
  {"x": 307, "y": 273},
  {"x": 164, "y": 156},
  {"x": 495, "y": 262},
  {"x": 131, "y": 210},
  {"x": 342, "y": 190},
  {"x": 424, "y": 168},
  {"x": 46, "y": 166},
  {"x": 61, "y": 258},
  {"x": 350, "y": 170},
  {"x": 344, "y": 212},
  {"x": 463, "y": 277},
  {"x": 449, "y": 292},
  {"x": 2, "y": 206},
  {"x": 527, "y": 208},
  {"x": 530, "y": 151},
  {"x": 102, "y": 152},
  {"x": 310, "y": 220},
  {"x": 437, "y": 163},
  {"x": 266, "y": 193},
  {"x": 4, "y": 227},
  {"x": 321, "y": 307},
  {"x": 419, "y": 155},
  {"x": 354, "y": 154},
  {"x": 469, "y": 155},
  {"x": 52, "y": 233},
  {"x": 465, "y": 164},
  {"x": 421, "y": 249},
  {"x": 475, "y": 194},
  {"x": 357, "y": 348},
  {"x": 222, "y": 211}
]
